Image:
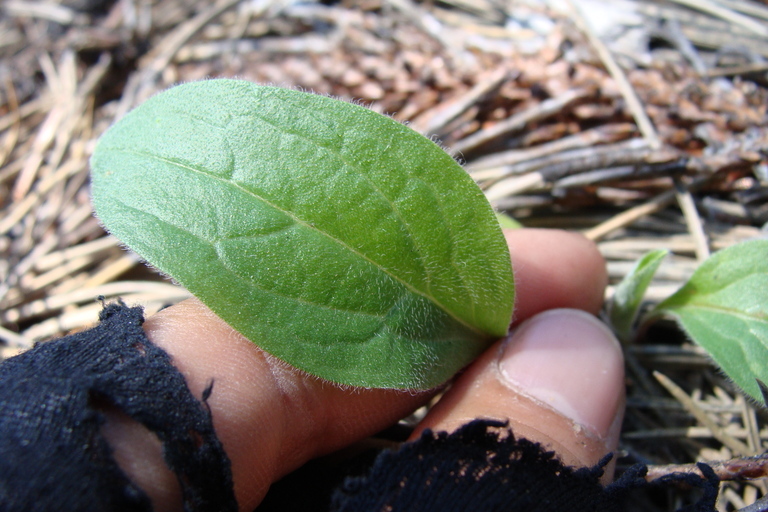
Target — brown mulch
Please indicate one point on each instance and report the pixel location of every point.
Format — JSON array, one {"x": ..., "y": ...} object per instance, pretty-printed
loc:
[{"x": 643, "y": 124}]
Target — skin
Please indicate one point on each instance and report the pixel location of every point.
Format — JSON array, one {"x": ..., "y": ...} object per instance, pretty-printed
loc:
[{"x": 272, "y": 418}]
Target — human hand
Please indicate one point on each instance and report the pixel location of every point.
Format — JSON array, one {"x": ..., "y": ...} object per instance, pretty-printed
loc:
[{"x": 558, "y": 380}]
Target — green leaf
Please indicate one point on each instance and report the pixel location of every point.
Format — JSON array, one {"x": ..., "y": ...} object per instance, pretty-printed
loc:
[
  {"x": 333, "y": 237},
  {"x": 724, "y": 308},
  {"x": 507, "y": 222},
  {"x": 629, "y": 293}
]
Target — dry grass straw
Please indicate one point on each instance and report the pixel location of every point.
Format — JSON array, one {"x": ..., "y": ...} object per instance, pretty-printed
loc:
[{"x": 559, "y": 122}]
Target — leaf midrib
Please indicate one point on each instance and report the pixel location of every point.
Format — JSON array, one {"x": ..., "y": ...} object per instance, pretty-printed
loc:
[
  {"x": 393, "y": 207},
  {"x": 718, "y": 309},
  {"x": 251, "y": 283},
  {"x": 306, "y": 225}
]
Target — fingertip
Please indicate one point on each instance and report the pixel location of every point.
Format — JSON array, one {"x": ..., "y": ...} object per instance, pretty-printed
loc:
[
  {"x": 555, "y": 269},
  {"x": 558, "y": 380},
  {"x": 569, "y": 361}
]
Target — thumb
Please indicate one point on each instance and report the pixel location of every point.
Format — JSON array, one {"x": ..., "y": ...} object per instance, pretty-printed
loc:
[{"x": 558, "y": 380}]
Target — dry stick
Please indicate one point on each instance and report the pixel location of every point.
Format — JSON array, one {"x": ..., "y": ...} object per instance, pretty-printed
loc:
[
  {"x": 13, "y": 339},
  {"x": 9, "y": 294},
  {"x": 58, "y": 85},
  {"x": 535, "y": 173},
  {"x": 629, "y": 216},
  {"x": 748, "y": 8},
  {"x": 728, "y": 15},
  {"x": 28, "y": 201},
  {"x": 88, "y": 315},
  {"x": 749, "y": 416},
  {"x": 61, "y": 120},
  {"x": 745, "y": 468},
  {"x": 42, "y": 187},
  {"x": 42, "y": 10},
  {"x": 27, "y": 109},
  {"x": 518, "y": 121},
  {"x": 692, "y": 220},
  {"x": 85, "y": 249},
  {"x": 13, "y": 135},
  {"x": 78, "y": 113},
  {"x": 644, "y": 123},
  {"x": 685, "y": 46},
  {"x": 756, "y": 67},
  {"x": 460, "y": 105},
  {"x": 142, "y": 82},
  {"x": 690, "y": 405},
  {"x": 50, "y": 305},
  {"x": 488, "y": 167},
  {"x": 111, "y": 270},
  {"x": 678, "y": 432},
  {"x": 36, "y": 283},
  {"x": 428, "y": 24},
  {"x": 626, "y": 172}
]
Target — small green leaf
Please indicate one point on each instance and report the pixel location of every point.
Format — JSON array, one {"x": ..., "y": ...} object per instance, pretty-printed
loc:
[
  {"x": 507, "y": 222},
  {"x": 333, "y": 237},
  {"x": 629, "y": 293},
  {"x": 724, "y": 308}
]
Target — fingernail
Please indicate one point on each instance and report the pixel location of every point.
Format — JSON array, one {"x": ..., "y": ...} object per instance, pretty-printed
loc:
[{"x": 569, "y": 361}]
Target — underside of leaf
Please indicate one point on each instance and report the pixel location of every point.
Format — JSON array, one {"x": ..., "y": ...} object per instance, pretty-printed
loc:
[
  {"x": 724, "y": 308},
  {"x": 331, "y": 236}
]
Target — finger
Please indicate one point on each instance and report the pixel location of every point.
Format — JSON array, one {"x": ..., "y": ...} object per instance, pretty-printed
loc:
[
  {"x": 558, "y": 380},
  {"x": 555, "y": 269},
  {"x": 272, "y": 418}
]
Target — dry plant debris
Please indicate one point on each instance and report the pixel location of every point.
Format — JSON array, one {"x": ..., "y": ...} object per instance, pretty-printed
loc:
[{"x": 642, "y": 123}]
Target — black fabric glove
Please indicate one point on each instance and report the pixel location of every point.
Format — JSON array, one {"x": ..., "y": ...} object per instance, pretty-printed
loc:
[
  {"x": 53, "y": 457},
  {"x": 52, "y": 454}
]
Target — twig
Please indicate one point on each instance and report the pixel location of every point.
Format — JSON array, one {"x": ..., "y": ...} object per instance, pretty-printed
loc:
[
  {"x": 55, "y": 302},
  {"x": 721, "y": 12},
  {"x": 684, "y": 45},
  {"x": 520, "y": 120},
  {"x": 143, "y": 81},
  {"x": 437, "y": 122},
  {"x": 42, "y": 187},
  {"x": 43, "y": 10},
  {"x": 627, "y": 172},
  {"x": 744, "y": 468},
  {"x": 692, "y": 220},
  {"x": 755, "y": 67},
  {"x": 631, "y": 215},
  {"x": 678, "y": 432},
  {"x": 13, "y": 339},
  {"x": 634, "y": 105},
  {"x": 528, "y": 175},
  {"x": 749, "y": 416},
  {"x": 748, "y": 8},
  {"x": 690, "y": 405},
  {"x": 587, "y": 138},
  {"x": 61, "y": 122},
  {"x": 13, "y": 135},
  {"x": 64, "y": 91},
  {"x": 112, "y": 269},
  {"x": 57, "y": 258},
  {"x": 430, "y": 26}
]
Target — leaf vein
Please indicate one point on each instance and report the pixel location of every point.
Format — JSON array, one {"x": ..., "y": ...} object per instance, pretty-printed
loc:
[{"x": 251, "y": 283}]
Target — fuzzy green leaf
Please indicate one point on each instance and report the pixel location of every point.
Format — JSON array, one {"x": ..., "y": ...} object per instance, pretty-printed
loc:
[
  {"x": 507, "y": 222},
  {"x": 629, "y": 293},
  {"x": 333, "y": 237},
  {"x": 724, "y": 308}
]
